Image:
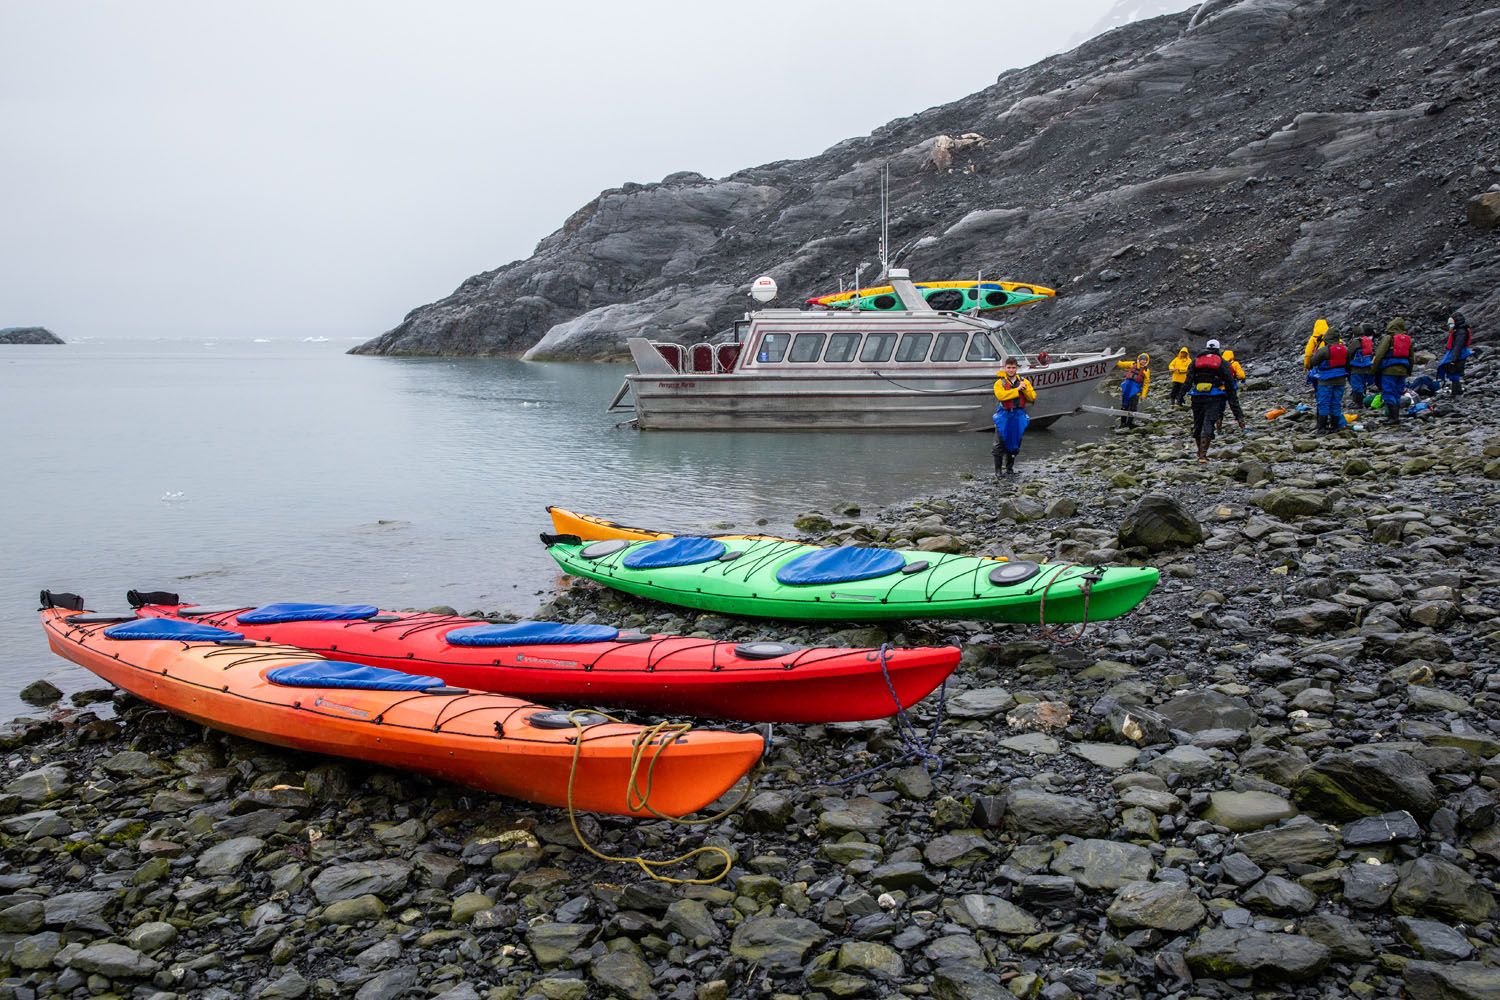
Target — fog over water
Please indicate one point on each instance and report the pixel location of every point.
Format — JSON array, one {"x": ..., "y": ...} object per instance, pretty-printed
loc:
[{"x": 292, "y": 169}]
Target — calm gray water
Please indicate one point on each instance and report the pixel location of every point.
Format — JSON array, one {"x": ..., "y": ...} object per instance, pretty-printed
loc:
[{"x": 239, "y": 471}]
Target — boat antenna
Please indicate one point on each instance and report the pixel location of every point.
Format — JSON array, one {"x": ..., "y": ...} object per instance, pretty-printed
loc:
[{"x": 885, "y": 223}]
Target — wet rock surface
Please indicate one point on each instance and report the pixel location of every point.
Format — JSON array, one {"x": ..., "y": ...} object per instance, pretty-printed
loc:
[{"x": 1189, "y": 801}]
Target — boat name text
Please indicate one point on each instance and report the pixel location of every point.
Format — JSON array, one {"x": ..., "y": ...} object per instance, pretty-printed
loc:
[{"x": 1062, "y": 376}]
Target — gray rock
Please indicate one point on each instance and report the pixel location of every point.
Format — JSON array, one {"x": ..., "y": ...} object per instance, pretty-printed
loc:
[
  {"x": 357, "y": 878},
  {"x": 624, "y": 974},
  {"x": 1313, "y": 618},
  {"x": 1106, "y": 755},
  {"x": 114, "y": 961},
  {"x": 991, "y": 913},
  {"x": 35, "y": 335},
  {"x": 1340, "y": 935},
  {"x": 152, "y": 936},
  {"x": 1369, "y": 887},
  {"x": 956, "y": 850},
  {"x": 1199, "y": 710},
  {"x": 871, "y": 958},
  {"x": 1287, "y": 502},
  {"x": 1159, "y": 523},
  {"x": 1366, "y": 781},
  {"x": 1138, "y": 725},
  {"x": 23, "y": 917},
  {"x": 51, "y": 781},
  {"x": 1163, "y": 906},
  {"x": 226, "y": 857},
  {"x": 1433, "y": 939},
  {"x": 777, "y": 943},
  {"x": 855, "y": 816},
  {"x": 36, "y": 951},
  {"x": 1184, "y": 763},
  {"x": 1104, "y": 864},
  {"x": 81, "y": 910},
  {"x": 1451, "y": 981},
  {"x": 1387, "y": 828},
  {"x": 1430, "y": 886},
  {"x": 1242, "y": 812},
  {"x": 691, "y": 919},
  {"x": 1274, "y": 894},
  {"x": 552, "y": 943},
  {"x": 391, "y": 984},
  {"x": 291, "y": 985},
  {"x": 1030, "y": 811},
  {"x": 1297, "y": 841},
  {"x": 1225, "y": 954},
  {"x": 980, "y": 703},
  {"x": 965, "y": 982},
  {"x": 40, "y": 692}
]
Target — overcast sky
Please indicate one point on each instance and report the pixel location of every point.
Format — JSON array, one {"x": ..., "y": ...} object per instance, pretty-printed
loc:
[{"x": 290, "y": 169}]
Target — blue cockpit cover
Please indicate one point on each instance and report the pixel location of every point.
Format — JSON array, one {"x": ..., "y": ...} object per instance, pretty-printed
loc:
[
  {"x": 529, "y": 633},
  {"x": 338, "y": 674},
  {"x": 273, "y": 614},
  {"x": 840, "y": 565},
  {"x": 683, "y": 550},
  {"x": 169, "y": 628}
]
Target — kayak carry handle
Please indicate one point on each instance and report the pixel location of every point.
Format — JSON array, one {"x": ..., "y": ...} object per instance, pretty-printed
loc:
[
  {"x": 140, "y": 598},
  {"x": 66, "y": 601},
  {"x": 550, "y": 540}
]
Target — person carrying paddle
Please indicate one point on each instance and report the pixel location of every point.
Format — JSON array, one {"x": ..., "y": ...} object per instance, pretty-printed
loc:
[
  {"x": 1179, "y": 368},
  {"x": 1015, "y": 394},
  {"x": 1330, "y": 366},
  {"x": 1392, "y": 364},
  {"x": 1212, "y": 385},
  {"x": 1137, "y": 383}
]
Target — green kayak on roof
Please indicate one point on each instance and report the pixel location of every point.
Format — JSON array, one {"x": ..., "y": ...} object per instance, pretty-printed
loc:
[{"x": 776, "y": 578}]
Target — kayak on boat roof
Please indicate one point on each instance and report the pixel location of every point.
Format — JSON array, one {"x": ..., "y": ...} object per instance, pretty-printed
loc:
[
  {"x": 286, "y": 696},
  {"x": 835, "y": 300},
  {"x": 777, "y": 578},
  {"x": 599, "y": 664}
]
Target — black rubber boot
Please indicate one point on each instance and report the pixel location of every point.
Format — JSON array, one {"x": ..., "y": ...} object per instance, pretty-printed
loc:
[
  {"x": 1010, "y": 463},
  {"x": 1393, "y": 413},
  {"x": 1458, "y": 389},
  {"x": 999, "y": 466}
]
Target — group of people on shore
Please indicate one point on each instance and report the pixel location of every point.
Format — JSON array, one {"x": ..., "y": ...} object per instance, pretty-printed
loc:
[{"x": 1377, "y": 370}]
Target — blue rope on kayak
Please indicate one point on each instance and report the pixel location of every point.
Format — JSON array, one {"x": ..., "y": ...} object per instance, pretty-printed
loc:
[{"x": 913, "y": 746}]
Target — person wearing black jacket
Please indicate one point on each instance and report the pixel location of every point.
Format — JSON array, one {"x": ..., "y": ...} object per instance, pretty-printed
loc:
[{"x": 1211, "y": 385}]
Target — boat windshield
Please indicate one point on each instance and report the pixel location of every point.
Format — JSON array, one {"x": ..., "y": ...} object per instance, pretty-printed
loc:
[{"x": 981, "y": 348}]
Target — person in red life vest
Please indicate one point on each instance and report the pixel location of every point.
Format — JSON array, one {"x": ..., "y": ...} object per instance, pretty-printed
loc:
[
  {"x": 1392, "y": 363},
  {"x": 1361, "y": 362},
  {"x": 1330, "y": 366},
  {"x": 1137, "y": 383},
  {"x": 1015, "y": 394},
  {"x": 1211, "y": 385},
  {"x": 1457, "y": 352}
]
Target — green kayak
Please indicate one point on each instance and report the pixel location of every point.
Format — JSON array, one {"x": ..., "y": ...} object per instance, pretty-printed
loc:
[{"x": 775, "y": 578}]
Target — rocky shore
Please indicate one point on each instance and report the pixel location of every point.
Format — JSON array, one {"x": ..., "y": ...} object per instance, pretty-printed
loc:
[
  {"x": 28, "y": 335},
  {"x": 1276, "y": 778}
]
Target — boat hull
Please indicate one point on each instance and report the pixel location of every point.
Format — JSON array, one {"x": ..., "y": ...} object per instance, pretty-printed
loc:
[
  {"x": 955, "y": 400},
  {"x": 662, "y": 673},
  {"x": 480, "y": 740}
]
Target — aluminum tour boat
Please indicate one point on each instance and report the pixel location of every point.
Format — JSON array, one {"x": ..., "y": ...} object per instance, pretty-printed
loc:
[{"x": 910, "y": 369}]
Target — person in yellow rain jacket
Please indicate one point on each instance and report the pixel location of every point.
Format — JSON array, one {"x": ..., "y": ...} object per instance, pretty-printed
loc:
[
  {"x": 1238, "y": 371},
  {"x": 1015, "y": 394},
  {"x": 1179, "y": 368},
  {"x": 1137, "y": 383},
  {"x": 1313, "y": 343}
]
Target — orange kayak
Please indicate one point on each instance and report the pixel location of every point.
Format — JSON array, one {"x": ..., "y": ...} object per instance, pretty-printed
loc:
[{"x": 286, "y": 696}]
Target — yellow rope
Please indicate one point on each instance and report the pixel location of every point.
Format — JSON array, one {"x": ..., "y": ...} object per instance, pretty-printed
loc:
[{"x": 638, "y": 799}]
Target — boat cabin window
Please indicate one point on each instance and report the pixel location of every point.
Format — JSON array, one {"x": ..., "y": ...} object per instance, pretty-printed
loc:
[
  {"x": 841, "y": 347},
  {"x": 950, "y": 347},
  {"x": 913, "y": 347},
  {"x": 773, "y": 347},
  {"x": 878, "y": 347},
  {"x": 805, "y": 348},
  {"x": 981, "y": 349}
]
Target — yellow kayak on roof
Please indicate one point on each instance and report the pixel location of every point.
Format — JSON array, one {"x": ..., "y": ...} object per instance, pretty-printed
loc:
[{"x": 1024, "y": 287}]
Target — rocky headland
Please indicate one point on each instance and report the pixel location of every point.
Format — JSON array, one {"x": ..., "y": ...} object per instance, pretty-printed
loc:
[
  {"x": 1276, "y": 778},
  {"x": 1238, "y": 168},
  {"x": 28, "y": 335}
]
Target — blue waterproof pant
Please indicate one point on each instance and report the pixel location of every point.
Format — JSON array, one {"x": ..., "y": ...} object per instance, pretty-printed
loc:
[
  {"x": 1452, "y": 368},
  {"x": 1009, "y": 426},
  {"x": 1130, "y": 395},
  {"x": 1331, "y": 400},
  {"x": 1391, "y": 388},
  {"x": 1359, "y": 378}
]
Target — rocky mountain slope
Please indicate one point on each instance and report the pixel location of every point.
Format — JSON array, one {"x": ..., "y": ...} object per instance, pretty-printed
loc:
[
  {"x": 28, "y": 335},
  {"x": 1239, "y": 170}
]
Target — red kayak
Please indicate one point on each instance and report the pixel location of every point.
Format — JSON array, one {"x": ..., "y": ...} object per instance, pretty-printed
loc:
[{"x": 749, "y": 681}]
